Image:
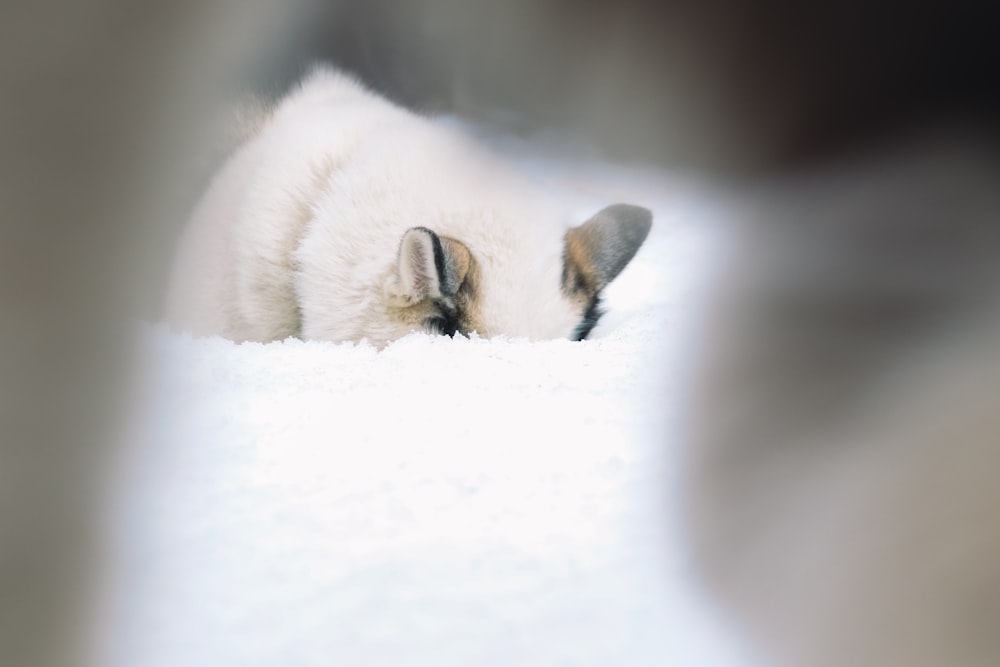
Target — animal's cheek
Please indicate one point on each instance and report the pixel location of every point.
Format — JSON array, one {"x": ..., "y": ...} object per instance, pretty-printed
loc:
[{"x": 402, "y": 321}]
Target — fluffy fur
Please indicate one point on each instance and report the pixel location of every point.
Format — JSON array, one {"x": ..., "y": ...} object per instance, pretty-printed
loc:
[{"x": 300, "y": 232}]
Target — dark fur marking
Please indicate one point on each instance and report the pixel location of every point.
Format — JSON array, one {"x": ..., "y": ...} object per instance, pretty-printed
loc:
[
  {"x": 447, "y": 322},
  {"x": 590, "y": 318},
  {"x": 439, "y": 260},
  {"x": 439, "y": 257},
  {"x": 442, "y": 325}
]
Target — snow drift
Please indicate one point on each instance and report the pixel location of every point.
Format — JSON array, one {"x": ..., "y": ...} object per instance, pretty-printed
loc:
[{"x": 441, "y": 502}]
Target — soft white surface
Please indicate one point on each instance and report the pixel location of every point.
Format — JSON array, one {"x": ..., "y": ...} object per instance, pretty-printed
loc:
[{"x": 439, "y": 503}]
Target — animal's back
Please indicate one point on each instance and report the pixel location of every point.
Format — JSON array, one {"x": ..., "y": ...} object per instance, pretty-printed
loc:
[
  {"x": 235, "y": 270},
  {"x": 301, "y": 229}
]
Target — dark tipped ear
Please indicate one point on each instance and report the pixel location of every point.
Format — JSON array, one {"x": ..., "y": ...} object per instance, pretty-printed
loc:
[
  {"x": 598, "y": 250},
  {"x": 428, "y": 267}
]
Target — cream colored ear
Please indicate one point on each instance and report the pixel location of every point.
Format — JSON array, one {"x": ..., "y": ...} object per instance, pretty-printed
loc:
[
  {"x": 428, "y": 267},
  {"x": 598, "y": 250},
  {"x": 417, "y": 276}
]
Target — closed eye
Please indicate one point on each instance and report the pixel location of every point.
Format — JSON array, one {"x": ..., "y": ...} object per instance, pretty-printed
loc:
[{"x": 442, "y": 326}]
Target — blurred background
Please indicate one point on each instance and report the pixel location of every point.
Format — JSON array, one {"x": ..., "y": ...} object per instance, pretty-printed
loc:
[{"x": 863, "y": 132}]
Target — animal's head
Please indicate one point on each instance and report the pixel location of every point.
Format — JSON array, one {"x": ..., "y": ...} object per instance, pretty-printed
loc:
[{"x": 443, "y": 285}]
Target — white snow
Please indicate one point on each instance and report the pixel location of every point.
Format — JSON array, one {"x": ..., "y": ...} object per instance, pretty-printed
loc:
[{"x": 443, "y": 502}]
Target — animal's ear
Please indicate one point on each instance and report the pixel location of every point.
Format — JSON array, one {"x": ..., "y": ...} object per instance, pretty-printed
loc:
[
  {"x": 428, "y": 267},
  {"x": 598, "y": 250}
]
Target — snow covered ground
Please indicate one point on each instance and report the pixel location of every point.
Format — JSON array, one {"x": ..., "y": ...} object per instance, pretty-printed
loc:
[{"x": 439, "y": 503}]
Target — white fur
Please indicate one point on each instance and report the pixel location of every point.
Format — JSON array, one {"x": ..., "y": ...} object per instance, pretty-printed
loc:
[{"x": 300, "y": 230}]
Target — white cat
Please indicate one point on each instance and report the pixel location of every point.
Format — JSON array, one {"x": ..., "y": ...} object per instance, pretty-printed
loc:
[{"x": 344, "y": 217}]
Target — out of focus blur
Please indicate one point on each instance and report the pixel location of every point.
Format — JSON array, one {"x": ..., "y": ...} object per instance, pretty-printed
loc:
[{"x": 842, "y": 416}]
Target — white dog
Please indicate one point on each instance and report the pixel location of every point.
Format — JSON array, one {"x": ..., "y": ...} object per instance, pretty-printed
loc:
[{"x": 345, "y": 217}]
